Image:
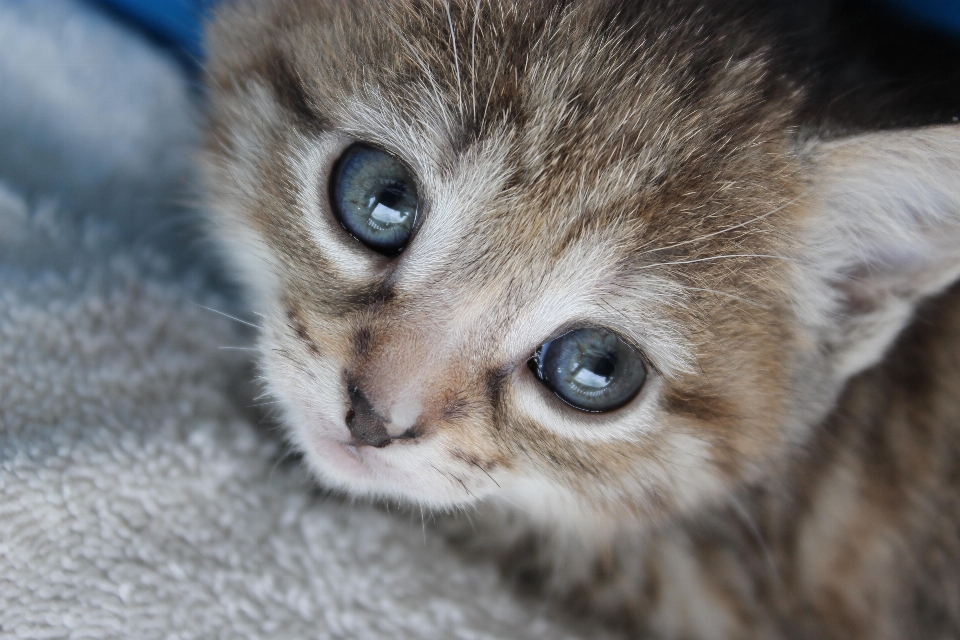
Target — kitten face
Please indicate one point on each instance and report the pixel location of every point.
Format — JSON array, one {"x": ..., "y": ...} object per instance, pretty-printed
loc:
[{"x": 574, "y": 168}]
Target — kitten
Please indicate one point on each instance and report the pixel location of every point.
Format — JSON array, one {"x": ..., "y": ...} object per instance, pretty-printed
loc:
[{"x": 634, "y": 280}]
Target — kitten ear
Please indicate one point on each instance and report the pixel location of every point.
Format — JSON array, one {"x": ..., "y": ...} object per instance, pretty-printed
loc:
[{"x": 885, "y": 234}]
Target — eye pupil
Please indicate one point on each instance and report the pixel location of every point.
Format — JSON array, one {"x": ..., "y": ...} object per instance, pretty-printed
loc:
[
  {"x": 375, "y": 199},
  {"x": 590, "y": 369},
  {"x": 390, "y": 196},
  {"x": 597, "y": 373},
  {"x": 606, "y": 365}
]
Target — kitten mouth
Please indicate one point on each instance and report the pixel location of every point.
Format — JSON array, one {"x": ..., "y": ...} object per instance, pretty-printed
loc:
[
  {"x": 353, "y": 449},
  {"x": 342, "y": 454}
]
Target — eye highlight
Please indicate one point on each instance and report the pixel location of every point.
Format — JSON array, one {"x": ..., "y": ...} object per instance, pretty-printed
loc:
[
  {"x": 590, "y": 369},
  {"x": 375, "y": 198}
]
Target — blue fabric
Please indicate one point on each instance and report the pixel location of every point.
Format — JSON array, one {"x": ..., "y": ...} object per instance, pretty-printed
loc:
[
  {"x": 178, "y": 22},
  {"x": 942, "y": 14}
]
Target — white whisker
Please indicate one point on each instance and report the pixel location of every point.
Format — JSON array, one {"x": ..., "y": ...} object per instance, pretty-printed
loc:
[
  {"x": 730, "y": 228},
  {"x": 227, "y": 315},
  {"x": 262, "y": 404},
  {"x": 709, "y": 258}
]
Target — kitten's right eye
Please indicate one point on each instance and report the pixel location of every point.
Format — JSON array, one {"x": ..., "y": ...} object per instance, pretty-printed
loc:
[
  {"x": 590, "y": 369},
  {"x": 374, "y": 198}
]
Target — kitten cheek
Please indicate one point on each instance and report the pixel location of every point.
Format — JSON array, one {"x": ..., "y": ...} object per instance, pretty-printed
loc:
[{"x": 306, "y": 386}]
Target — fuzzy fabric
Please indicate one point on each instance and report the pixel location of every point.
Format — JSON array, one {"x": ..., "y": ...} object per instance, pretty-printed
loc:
[{"x": 138, "y": 499}]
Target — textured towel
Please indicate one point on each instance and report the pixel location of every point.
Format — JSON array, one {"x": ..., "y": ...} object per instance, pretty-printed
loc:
[{"x": 137, "y": 498}]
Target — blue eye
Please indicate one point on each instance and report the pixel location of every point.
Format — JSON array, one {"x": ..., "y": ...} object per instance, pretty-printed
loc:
[
  {"x": 374, "y": 198},
  {"x": 590, "y": 369}
]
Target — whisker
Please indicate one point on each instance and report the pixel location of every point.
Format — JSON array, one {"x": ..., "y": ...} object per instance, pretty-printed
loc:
[
  {"x": 709, "y": 258},
  {"x": 227, "y": 315},
  {"x": 262, "y": 404},
  {"x": 725, "y": 230},
  {"x": 289, "y": 452},
  {"x": 230, "y": 348},
  {"x": 423, "y": 524},
  {"x": 262, "y": 395},
  {"x": 453, "y": 477},
  {"x": 466, "y": 514},
  {"x": 477, "y": 465},
  {"x": 293, "y": 360}
]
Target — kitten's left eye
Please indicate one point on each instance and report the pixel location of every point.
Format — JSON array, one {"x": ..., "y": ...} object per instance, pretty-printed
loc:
[
  {"x": 374, "y": 198},
  {"x": 590, "y": 369}
]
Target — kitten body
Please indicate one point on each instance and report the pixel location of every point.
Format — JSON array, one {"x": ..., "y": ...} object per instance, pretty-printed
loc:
[{"x": 691, "y": 175}]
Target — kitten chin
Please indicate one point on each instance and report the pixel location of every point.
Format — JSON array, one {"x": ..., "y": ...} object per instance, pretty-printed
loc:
[{"x": 635, "y": 283}]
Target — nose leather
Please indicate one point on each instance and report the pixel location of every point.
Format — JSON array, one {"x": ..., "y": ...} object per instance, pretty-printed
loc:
[{"x": 364, "y": 423}]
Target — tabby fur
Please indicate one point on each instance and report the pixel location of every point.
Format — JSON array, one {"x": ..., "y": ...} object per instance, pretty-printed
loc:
[{"x": 695, "y": 174}]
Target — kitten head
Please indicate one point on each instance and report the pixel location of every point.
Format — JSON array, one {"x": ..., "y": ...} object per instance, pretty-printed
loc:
[{"x": 581, "y": 259}]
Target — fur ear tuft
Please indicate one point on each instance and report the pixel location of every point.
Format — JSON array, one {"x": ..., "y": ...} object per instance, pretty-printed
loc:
[{"x": 885, "y": 234}]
